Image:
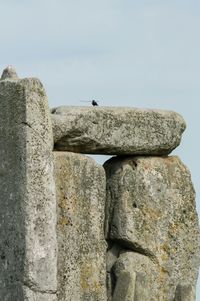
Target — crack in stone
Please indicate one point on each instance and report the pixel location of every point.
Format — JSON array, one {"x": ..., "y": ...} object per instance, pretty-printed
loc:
[
  {"x": 32, "y": 286},
  {"x": 30, "y": 126},
  {"x": 135, "y": 247}
]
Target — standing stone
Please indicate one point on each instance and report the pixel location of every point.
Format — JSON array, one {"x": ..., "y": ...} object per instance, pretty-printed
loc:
[
  {"x": 28, "y": 261},
  {"x": 143, "y": 278},
  {"x": 80, "y": 184},
  {"x": 151, "y": 210},
  {"x": 116, "y": 131}
]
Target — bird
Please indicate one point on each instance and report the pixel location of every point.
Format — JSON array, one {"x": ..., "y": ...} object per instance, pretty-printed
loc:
[{"x": 94, "y": 103}]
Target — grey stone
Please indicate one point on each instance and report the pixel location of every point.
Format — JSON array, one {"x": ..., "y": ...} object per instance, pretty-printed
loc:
[
  {"x": 125, "y": 286},
  {"x": 141, "y": 288},
  {"x": 105, "y": 130},
  {"x": 28, "y": 204},
  {"x": 150, "y": 209},
  {"x": 81, "y": 187},
  {"x": 185, "y": 293},
  {"x": 29, "y": 294},
  {"x": 111, "y": 257},
  {"x": 9, "y": 73},
  {"x": 110, "y": 285},
  {"x": 141, "y": 277}
]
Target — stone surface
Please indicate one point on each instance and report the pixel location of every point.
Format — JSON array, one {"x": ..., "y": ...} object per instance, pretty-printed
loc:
[
  {"x": 111, "y": 257},
  {"x": 141, "y": 288},
  {"x": 28, "y": 261},
  {"x": 29, "y": 294},
  {"x": 81, "y": 187},
  {"x": 185, "y": 293},
  {"x": 151, "y": 210},
  {"x": 125, "y": 286},
  {"x": 9, "y": 73},
  {"x": 106, "y": 130},
  {"x": 145, "y": 281},
  {"x": 51, "y": 234}
]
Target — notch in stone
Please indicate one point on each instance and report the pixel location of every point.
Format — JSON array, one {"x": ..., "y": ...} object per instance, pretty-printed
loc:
[{"x": 9, "y": 73}]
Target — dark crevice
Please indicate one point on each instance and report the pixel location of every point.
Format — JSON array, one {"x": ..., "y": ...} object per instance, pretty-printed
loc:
[
  {"x": 35, "y": 289},
  {"x": 28, "y": 124},
  {"x": 121, "y": 246},
  {"x": 36, "y": 132},
  {"x": 127, "y": 246}
]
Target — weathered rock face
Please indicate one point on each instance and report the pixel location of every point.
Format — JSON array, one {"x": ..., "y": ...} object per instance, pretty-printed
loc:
[
  {"x": 28, "y": 243},
  {"x": 40, "y": 206},
  {"x": 9, "y": 73},
  {"x": 151, "y": 213},
  {"x": 137, "y": 278},
  {"x": 80, "y": 184},
  {"x": 55, "y": 205},
  {"x": 116, "y": 130},
  {"x": 185, "y": 293}
]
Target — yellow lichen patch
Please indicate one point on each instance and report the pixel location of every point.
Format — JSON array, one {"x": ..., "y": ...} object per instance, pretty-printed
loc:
[
  {"x": 174, "y": 228},
  {"x": 170, "y": 160},
  {"x": 165, "y": 247},
  {"x": 162, "y": 274},
  {"x": 62, "y": 203},
  {"x": 164, "y": 257},
  {"x": 68, "y": 202},
  {"x": 63, "y": 221},
  {"x": 152, "y": 212},
  {"x": 88, "y": 278}
]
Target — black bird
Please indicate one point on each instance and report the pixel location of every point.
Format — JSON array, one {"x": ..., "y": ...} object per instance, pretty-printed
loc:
[{"x": 94, "y": 103}]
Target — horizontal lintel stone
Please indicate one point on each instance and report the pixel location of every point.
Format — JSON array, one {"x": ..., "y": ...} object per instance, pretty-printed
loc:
[{"x": 116, "y": 130}]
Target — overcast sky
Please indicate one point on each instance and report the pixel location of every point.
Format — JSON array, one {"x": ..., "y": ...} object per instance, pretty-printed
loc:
[{"x": 122, "y": 53}]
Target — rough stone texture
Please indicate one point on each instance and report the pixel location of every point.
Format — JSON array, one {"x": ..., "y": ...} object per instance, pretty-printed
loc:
[
  {"x": 125, "y": 286},
  {"x": 141, "y": 289},
  {"x": 120, "y": 131},
  {"x": 29, "y": 294},
  {"x": 144, "y": 278},
  {"x": 185, "y": 293},
  {"x": 81, "y": 186},
  {"x": 28, "y": 260},
  {"x": 111, "y": 257},
  {"x": 151, "y": 210},
  {"x": 151, "y": 223},
  {"x": 9, "y": 73}
]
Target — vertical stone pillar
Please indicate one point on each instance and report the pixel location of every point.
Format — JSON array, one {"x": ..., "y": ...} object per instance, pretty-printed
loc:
[
  {"x": 151, "y": 214},
  {"x": 80, "y": 186},
  {"x": 28, "y": 261}
]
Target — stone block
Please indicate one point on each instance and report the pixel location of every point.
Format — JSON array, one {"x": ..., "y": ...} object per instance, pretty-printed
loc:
[
  {"x": 80, "y": 184},
  {"x": 150, "y": 210},
  {"x": 116, "y": 131},
  {"x": 28, "y": 252}
]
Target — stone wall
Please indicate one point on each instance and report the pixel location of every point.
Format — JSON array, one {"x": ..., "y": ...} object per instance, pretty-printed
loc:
[{"x": 72, "y": 230}]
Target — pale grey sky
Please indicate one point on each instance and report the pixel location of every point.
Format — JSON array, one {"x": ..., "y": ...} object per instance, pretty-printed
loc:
[{"x": 122, "y": 53}]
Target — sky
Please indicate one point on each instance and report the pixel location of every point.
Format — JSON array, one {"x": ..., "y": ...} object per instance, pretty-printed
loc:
[{"x": 122, "y": 53}]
